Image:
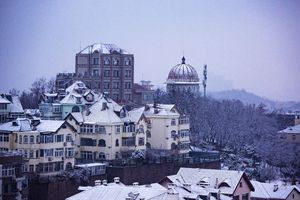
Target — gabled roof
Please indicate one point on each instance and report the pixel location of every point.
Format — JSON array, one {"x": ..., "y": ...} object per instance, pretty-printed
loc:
[
  {"x": 4, "y": 101},
  {"x": 213, "y": 178},
  {"x": 16, "y": 105},
  {"x": 134, "y": 115},
  {"x": 160, "y": 110},
  {"x": 266, "y": 190},
  {"x": 291, "y": 129}
]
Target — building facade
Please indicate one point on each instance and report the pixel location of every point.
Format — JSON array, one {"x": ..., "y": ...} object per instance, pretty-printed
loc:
[
  {"x": 48, "y": 145},
  {"x": 103, "y": 68},
  {"x": 183, "y": 77},
  {"x": 10, "y": 108}
]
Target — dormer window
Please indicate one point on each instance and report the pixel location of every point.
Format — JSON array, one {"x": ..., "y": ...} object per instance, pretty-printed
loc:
[
  {"x": 127, "y": 62},
  {"x": 115, "y": 61},
  {"x": 106, "y": 61},
  {"x": 78, "y": 100}
]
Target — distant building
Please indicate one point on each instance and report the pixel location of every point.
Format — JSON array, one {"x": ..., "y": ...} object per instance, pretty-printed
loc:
[
  {"x": 103, "y": 68},
  {"x": 13, "y": 182},
  {"x": 166, "y": 128},
  {"x": 270, "y": 191},
  {"x": 48, "y": 145},
  {"x": 290, "y": 134},
  {"x": 143, "y": 93},
  {"x": 231, "y": 184},
  {"x": 57, "y": 106},
  {"x": 10, "y": 108},
  {"x": 183, "y": 77}
]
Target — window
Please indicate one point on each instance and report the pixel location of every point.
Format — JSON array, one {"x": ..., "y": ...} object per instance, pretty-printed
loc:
[
  {"x": 106, "y": 85},
  {"x": 184, "y": 133},
  {"x": 75, "y": 109},
  {"x": 59, "y": 138},
  {"x": 88, "y": 142},
  {"x": 3, "y": 106},
  {"x": 4, "y": 137},
  {"x": 51, "y": 167},
  {"x": 8, "y": 170},
  {"x": 127, "y": 61},
  {"x": 241, "y": 184},
  {"x": 106, "y": 73},
  {"x": 31, "y": 168},
  {"x": 183, "y": 120},
  {"x": 96, "y": 61},
  {"x": 116, "y": 97},
  {"x": 127, "y": 128},
  {"x": 69, "y": 138},
  {"x": 86, "y": 155},
  {"x": 127, "y": 85},
  {"x": 70, "y": 152},
  {"x": 127, "y": 73},
  {"x": 101, "y": 143},
  {"x": 173, "y": 134},
  {"x": 59, "y": 152},
  {"x": 86, "y": 128},
  {"x": 118, "y": 129},
  {"x": 294, "y": 137},
  {"x": 25, "y": 139},
  {"x": 128, "y": 141},
  {"x": 116, "y": 73},
  {"x": 117, "y": 142},
  {"x": 115, "y": 61},
  {"x": 46, "y": 138},
  {"x": 20, "y": 139},
  {"x": 56, "y": 109},
  {"x": 46, "y": 152},
  {"x": 173, "y": 122},
  {"x": 31, "y": 154},
  {"x": 148, "y": 134},
  {"x": 37, "y": 139},
  {"x": 102, "y": 156},
  {"x": 141, "y": 129},
  {"x": 100, "y": 129},
  {"x": 31, "y": 139},
  {"x": 141, "y": 141},
  {"x": 116, "y": 85},
  {"x": 106, "y": 61}
]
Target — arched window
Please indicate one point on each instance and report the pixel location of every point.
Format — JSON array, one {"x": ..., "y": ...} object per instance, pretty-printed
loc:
[
  {"x": 68, "y": 166},
  {"x": 148, "y": 134},
  {"x": 101, "y": 156},
  {"x": 101, "y": 143},
  {"x": 25, "y": 139},
  {"x": 173, "y": 146},
  {"x": 148, "y": 145},
  {"x": 173, "y": 134},
  {"x": 20, "y": 139},
  {"x": 31, "y": 139},
  {"x": 117, "y": 142},
  {"x": 75, "y": 109}
]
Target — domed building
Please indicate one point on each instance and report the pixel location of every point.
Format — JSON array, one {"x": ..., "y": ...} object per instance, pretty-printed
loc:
[{"x": 183, "y": 77}]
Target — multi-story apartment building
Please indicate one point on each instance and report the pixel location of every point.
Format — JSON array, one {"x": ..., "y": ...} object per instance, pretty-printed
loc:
[
  {"x": 106, "y": 130},
  {"x": 103, "y": 68},
  {"x": 47, "y": 144},
  {"x": 166, "y": 128},
  {"x": 57, "y": 106},
  {"x": 143, "y": 93},
  {"x": 13, "y": 181},
  {"x": 10, "y": 108}
]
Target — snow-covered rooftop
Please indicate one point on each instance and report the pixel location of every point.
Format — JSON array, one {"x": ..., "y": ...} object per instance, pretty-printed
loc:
[
  {"x": 161, "y": 110},
  {"x": 291, "y": 129},
  {"x": 103, "y": 48},
  {"x": 271, "y": 190}
]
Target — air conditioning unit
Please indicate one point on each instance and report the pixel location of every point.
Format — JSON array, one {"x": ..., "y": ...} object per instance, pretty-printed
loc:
[{"x": 50, "y": 158}]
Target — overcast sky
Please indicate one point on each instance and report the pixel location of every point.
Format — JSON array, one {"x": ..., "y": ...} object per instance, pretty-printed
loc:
[{"x": 253, "y": 45}]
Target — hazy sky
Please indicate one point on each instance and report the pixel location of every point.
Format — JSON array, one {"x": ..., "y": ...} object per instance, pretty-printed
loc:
[{"x": 253, "y": 45}]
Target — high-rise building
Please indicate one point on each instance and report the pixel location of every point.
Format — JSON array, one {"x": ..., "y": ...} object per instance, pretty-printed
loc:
[{"x": 103, "y": 68}]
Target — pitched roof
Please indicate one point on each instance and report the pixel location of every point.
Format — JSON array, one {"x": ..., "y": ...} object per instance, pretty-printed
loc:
[
  {"x": 266, "y": 190},
  {"x": 160, "y": 110},
  {"x": 291, "y": 129}
]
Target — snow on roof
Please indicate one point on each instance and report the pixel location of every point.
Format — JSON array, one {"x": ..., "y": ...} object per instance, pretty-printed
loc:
[
  {"x": 16, "y": 105},
  {"x": 103, "y": 48},
  {"x": 211, "y": 177},
  {"x": 103, "y": 112},
  {"x": 77, "y": 85},
  {"x": 77, "y": 116},
  {"x": 116, "y": 192},
  {"x": 134, "y": 115},
  {"x": 4, "y": 101},
  {"x": 50, "y": 94},
  {"x": 49, "y": 125},
  {"x": 291, "y": 129},
  {"x": 90, "y": 165},
  {"x": 18, "y": 125},
  {"x": 160, "y": 110},
  {"x": 266, "y": 190}
]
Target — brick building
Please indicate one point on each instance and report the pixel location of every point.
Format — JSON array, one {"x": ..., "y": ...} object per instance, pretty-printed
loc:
[{"x": 103, "y": 68}]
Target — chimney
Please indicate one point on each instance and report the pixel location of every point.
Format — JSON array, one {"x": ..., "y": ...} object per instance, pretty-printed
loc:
[
  {"x": 104, "y": 106},
  {"x": 275, "y": 188},
  {"x": 117, "y": 180},
  {"x": 104, "y": 182},
  {"x": 97, "y": 182}
]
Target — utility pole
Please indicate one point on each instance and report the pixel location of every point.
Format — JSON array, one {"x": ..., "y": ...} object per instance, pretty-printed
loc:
[{"x": 204, "y": 79}]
